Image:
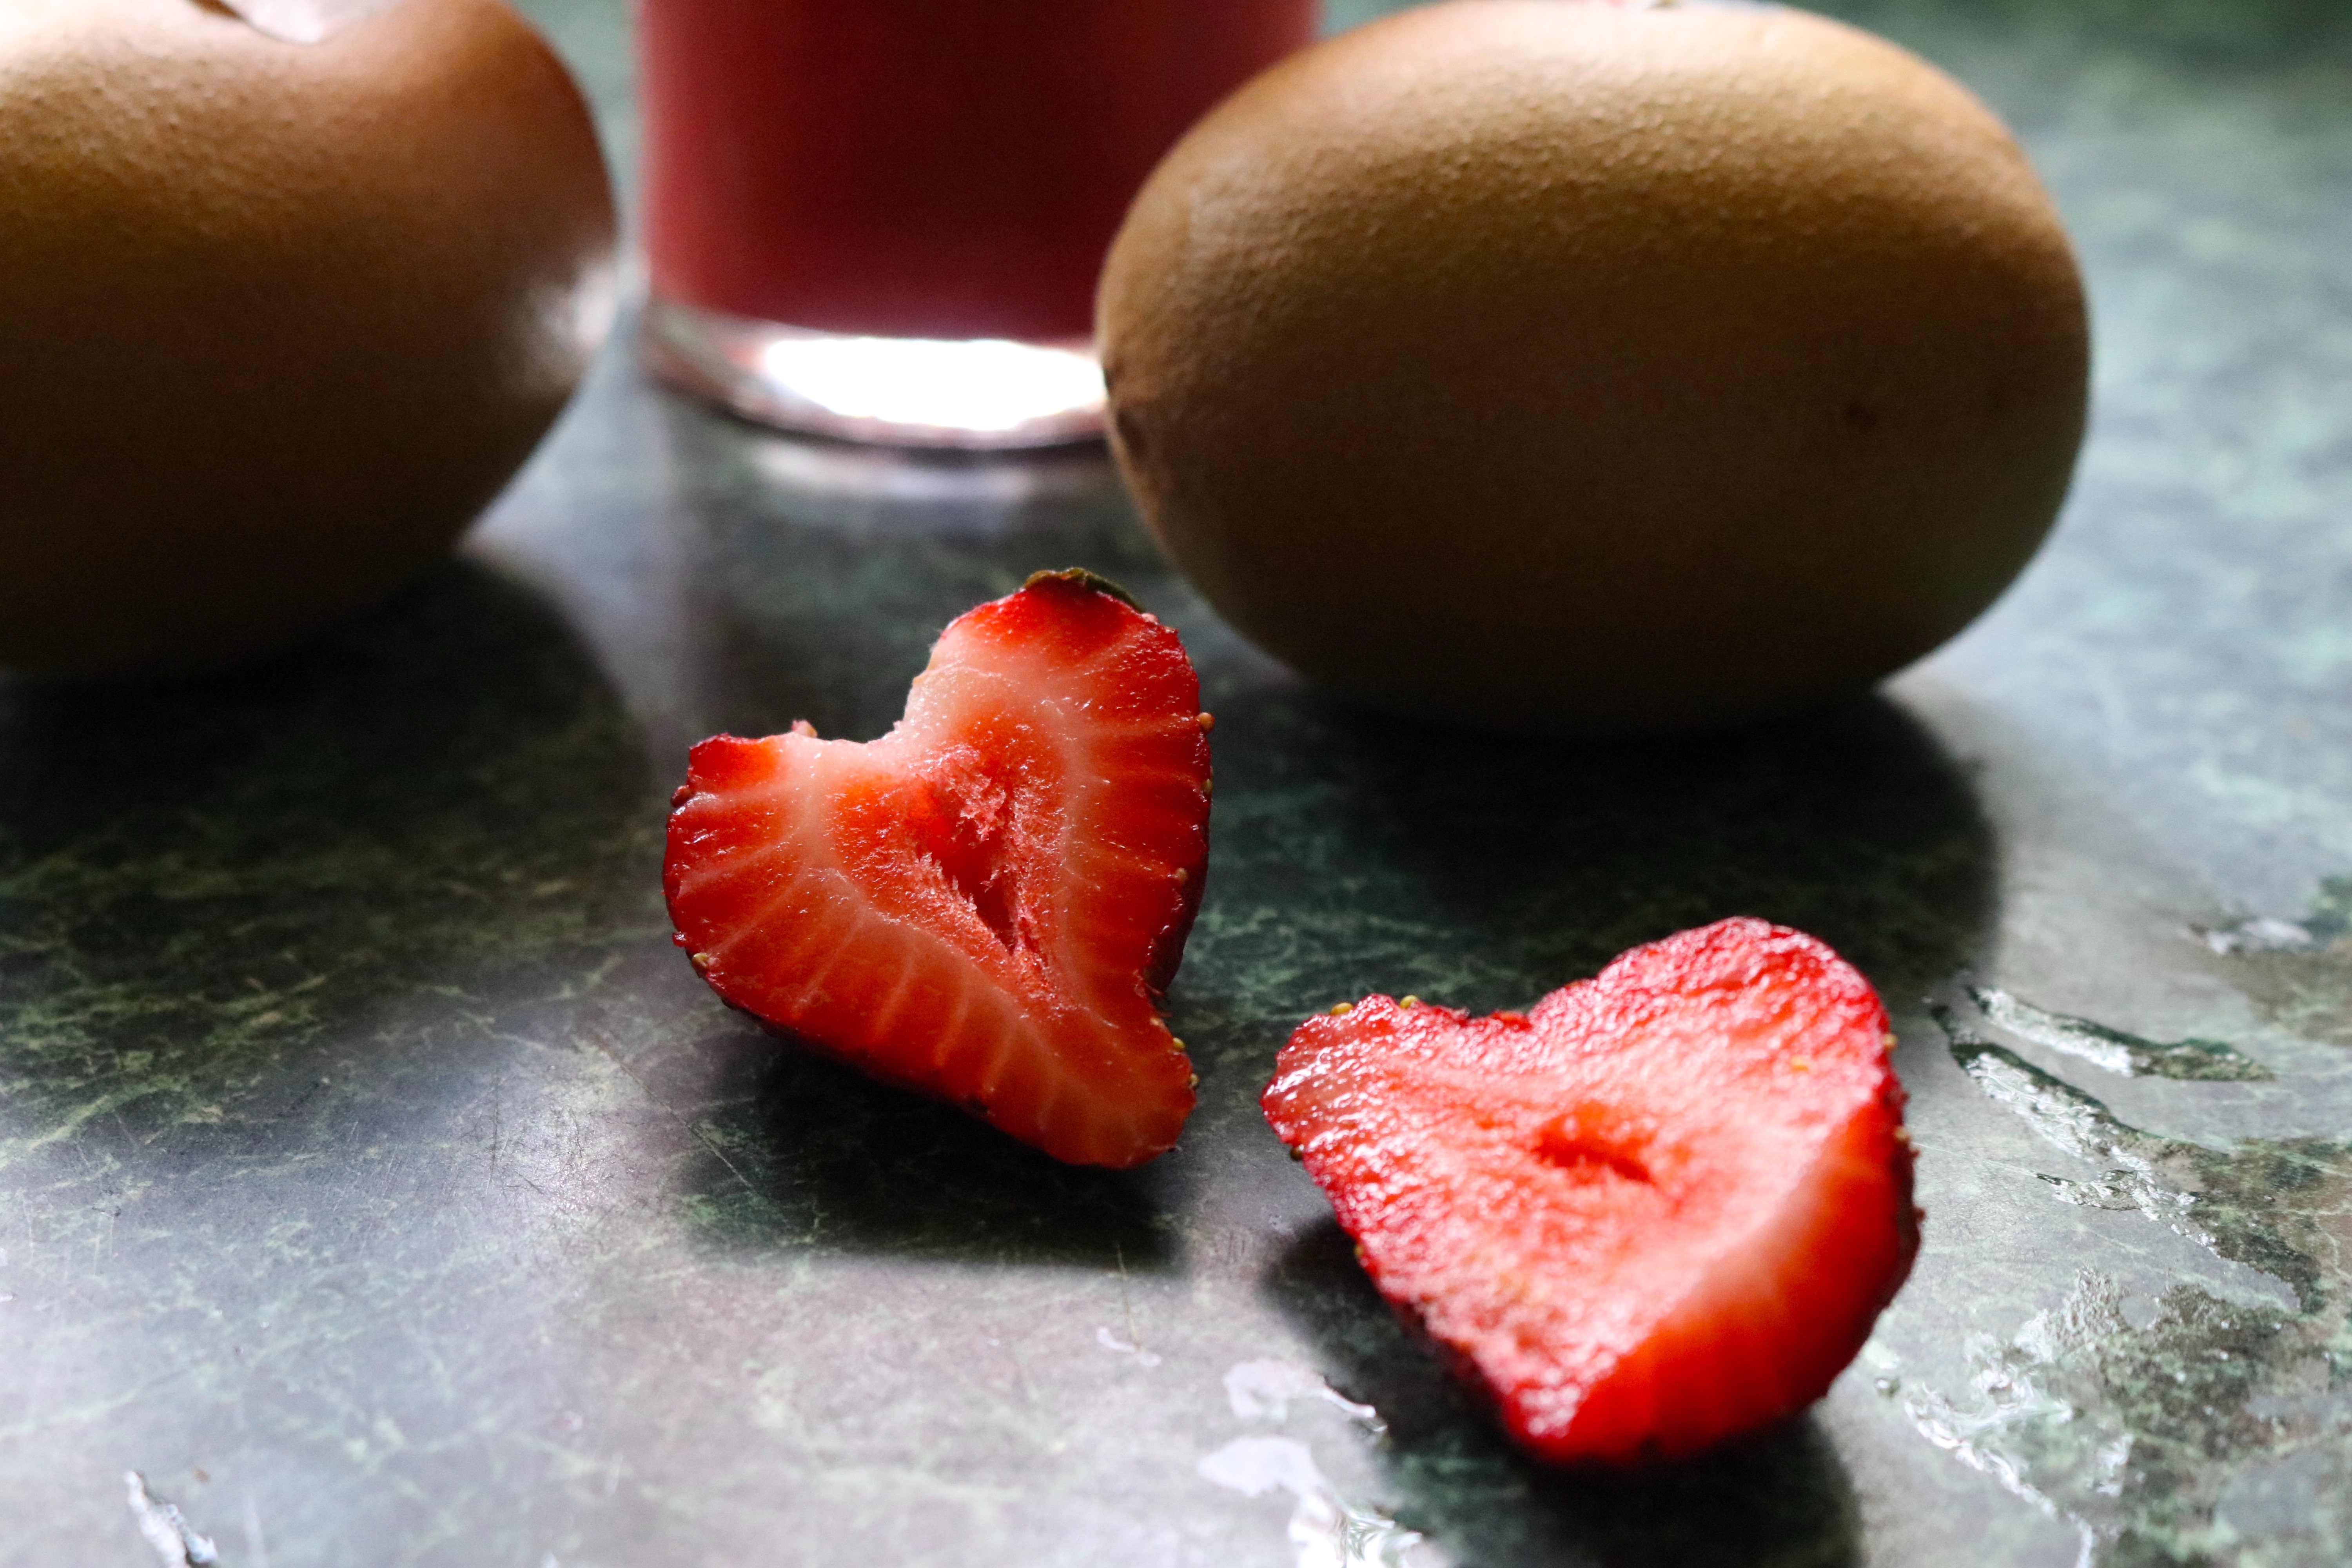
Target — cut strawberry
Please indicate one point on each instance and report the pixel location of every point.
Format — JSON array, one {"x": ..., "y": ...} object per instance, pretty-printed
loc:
[
  {"x": 987, "y": 902},
  {"x": 1660, "y": 1210}
]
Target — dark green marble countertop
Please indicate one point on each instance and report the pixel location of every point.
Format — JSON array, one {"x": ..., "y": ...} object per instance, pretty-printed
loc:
[{"x": 376, "y": 1181}]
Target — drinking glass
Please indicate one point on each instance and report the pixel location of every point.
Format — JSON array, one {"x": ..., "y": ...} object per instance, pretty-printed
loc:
[{"x": 882, "y": 219}]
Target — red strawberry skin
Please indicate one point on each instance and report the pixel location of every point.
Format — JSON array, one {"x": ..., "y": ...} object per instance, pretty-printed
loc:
[
  {"x": 1660, "y": 1210},
  {"x": 988, "y": 902}
]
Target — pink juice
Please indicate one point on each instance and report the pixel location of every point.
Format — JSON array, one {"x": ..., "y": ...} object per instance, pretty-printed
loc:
[{"x": 920, "y": 168}]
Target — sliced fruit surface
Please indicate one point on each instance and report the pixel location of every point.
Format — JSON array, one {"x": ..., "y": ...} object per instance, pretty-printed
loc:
[
  {"x": 1660, "y": 1209},
  {"x": 988, "y": 902}
]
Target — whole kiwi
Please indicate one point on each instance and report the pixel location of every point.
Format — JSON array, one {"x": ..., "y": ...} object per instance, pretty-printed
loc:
[
  {"x": 278, "y": 317},
  {"x": 1571, "y": 367}
]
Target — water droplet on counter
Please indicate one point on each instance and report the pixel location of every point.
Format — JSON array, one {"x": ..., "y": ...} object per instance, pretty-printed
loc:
[
  {"x": 2273, "y": 1205},
  {"x": 1262, "y": 1390},
  {"x": 177, "y": 1544},
  {"x": 2114, "y": 1050},
  {"x": 1328, "y": 1531},
  {"x": 2139, "y": 1436},
  {"x": 1111, "y": 1341},
  {"x": 2177, "y": 1426},
  {"x": 2262, "y": 934}
]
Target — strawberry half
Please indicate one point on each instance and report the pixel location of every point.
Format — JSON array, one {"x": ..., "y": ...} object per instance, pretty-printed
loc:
[
  {"x": 1660, "y": 1210},
  {"x": 988, "y": 902}
]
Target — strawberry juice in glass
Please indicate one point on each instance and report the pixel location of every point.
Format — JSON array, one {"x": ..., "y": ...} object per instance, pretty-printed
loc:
[{"x": 882, "y": 219}]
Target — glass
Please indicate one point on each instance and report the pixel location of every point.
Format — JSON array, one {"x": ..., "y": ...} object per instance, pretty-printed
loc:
[{"x": 882, "y": 219}]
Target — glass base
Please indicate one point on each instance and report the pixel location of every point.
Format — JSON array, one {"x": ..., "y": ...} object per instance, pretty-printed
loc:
[{"x": 974, "y": 394}]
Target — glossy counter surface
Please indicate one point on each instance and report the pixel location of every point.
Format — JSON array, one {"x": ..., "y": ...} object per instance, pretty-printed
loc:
[{"x": 377, "y": 1182}]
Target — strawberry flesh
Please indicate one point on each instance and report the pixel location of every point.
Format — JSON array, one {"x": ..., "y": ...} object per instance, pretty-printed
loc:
[
  {"x": 1661, "y": 1209},
  {"x": 988, "y": 902}
]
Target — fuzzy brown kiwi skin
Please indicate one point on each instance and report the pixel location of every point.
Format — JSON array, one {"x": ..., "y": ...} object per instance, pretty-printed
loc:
[
  {"x": 1566, "y": 368},
  {"x": 279, "y": 319}
]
